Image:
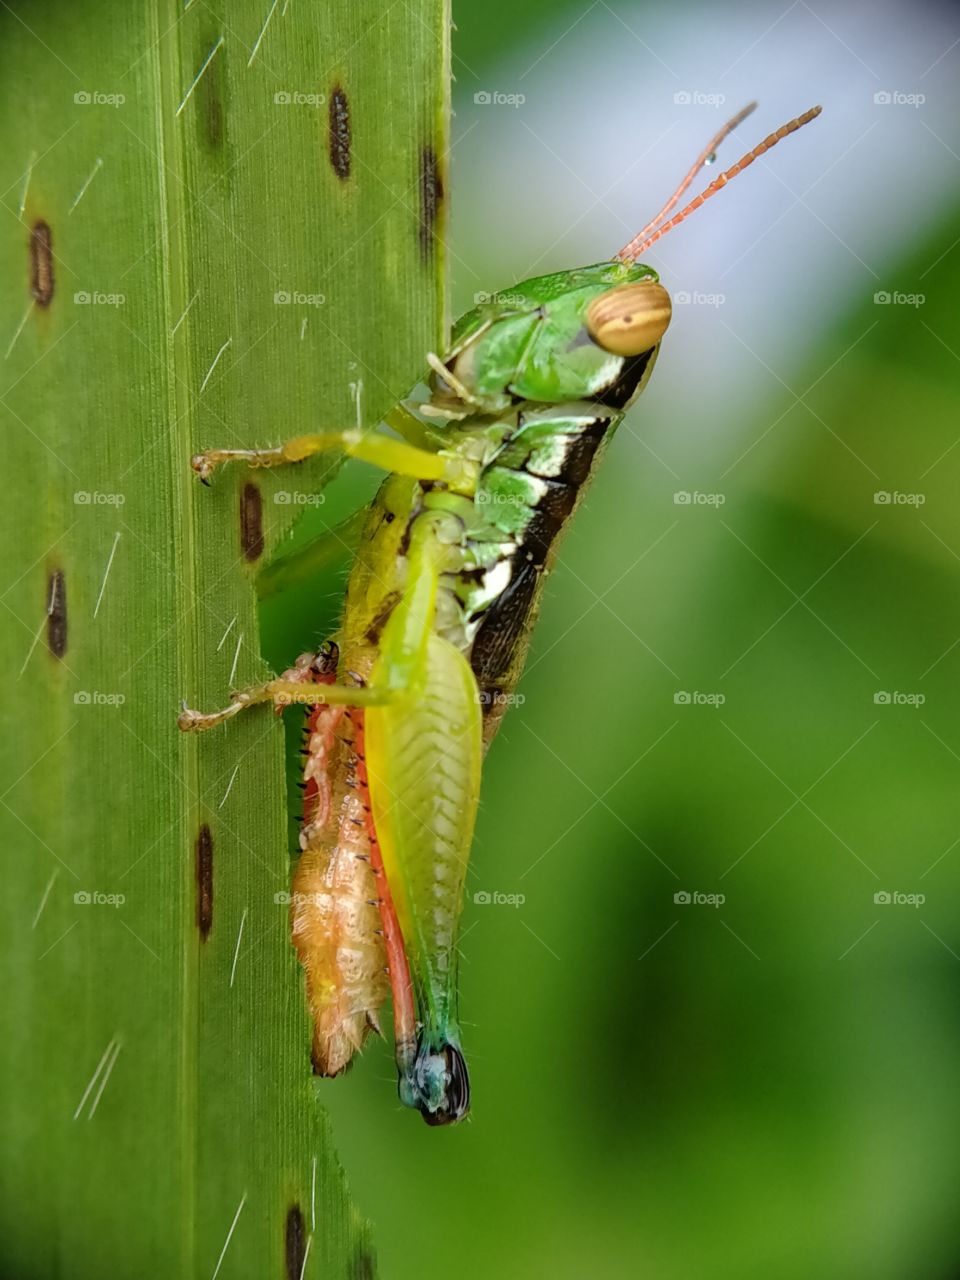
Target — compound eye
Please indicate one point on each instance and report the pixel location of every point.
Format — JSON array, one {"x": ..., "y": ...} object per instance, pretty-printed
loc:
[{"x": 630, "y": 318}]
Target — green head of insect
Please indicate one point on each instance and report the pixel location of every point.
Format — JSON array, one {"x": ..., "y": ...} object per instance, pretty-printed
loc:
[
  {"x": 587, "y": 334},
  {"x": 437, "y": 1084}
]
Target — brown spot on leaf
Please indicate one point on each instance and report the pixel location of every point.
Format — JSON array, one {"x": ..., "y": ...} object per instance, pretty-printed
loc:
[
  {"x": 340, "y": 137},
  {"x": 295, "y": 1244},
  {"x": 213, "y": 116},
  {"x": 431, "y": 197},
  {"x": 41, "y": 263},
  {"x": 211, "y": 90},
  {"x": 57, "y": 613},
  {"x": 204, "y": 858},
  {"x": 363, "y": 1265},
  {"x": 251, "y": 521}
]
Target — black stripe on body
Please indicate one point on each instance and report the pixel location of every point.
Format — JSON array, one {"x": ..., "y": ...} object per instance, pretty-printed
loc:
[
  {"x": 502, "y": 627},
  {"x": 618, "y": 393},
  {"x": 507, "y": 620}
]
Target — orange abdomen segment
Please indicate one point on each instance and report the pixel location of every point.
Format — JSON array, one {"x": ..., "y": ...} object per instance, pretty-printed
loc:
[
  {"x": 335, "y": 925},
  {"x": 335, "y": 919}
]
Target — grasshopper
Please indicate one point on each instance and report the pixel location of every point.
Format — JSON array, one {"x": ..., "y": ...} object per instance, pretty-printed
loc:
[{"x": 483, "y": 478}]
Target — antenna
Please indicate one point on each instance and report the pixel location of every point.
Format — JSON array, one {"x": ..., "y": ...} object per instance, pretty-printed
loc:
[
  {"x": 703, "y": 158},
  {"x": 652, "y": 232}
]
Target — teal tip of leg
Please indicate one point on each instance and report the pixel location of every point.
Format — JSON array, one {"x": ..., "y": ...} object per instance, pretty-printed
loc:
[{"x": 437, "y": 1084}]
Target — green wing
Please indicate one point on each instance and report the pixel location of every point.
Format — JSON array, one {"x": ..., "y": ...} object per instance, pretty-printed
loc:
[{"x": 423, "y": 760}]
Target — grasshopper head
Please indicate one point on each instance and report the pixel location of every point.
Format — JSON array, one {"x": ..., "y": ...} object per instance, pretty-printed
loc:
[
  {"x": 438, "y": 1085},
  {"x": 588, "y": 334}
]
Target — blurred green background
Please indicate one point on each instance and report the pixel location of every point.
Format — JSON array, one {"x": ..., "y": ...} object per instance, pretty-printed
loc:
[{"x": 749, "y": 694}]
